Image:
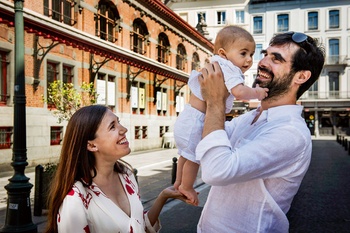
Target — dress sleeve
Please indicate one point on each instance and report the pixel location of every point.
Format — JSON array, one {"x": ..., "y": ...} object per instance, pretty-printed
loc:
[
  {"x": 72, "y": 213},
  {"x": 149, "y": 228}
]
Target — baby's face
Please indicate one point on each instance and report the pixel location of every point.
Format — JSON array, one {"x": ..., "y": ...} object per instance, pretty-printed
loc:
[{"x": 241, "y": 54}]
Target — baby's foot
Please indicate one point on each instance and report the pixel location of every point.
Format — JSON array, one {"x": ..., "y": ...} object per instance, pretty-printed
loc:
[{"x": 190, "y": 194}]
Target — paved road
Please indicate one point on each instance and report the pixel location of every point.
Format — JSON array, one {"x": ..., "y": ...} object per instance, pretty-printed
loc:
[{"x": 322, "y": 204}]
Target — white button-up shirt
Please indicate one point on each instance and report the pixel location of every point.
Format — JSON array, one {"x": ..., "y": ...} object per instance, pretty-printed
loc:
[{"x": 254, "y": 170}]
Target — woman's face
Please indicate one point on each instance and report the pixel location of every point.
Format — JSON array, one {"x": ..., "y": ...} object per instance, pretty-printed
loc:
[{"x": 110, "y": 143}]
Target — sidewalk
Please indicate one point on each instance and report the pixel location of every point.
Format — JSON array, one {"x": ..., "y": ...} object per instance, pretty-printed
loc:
[{"x": 321, "y": 205}]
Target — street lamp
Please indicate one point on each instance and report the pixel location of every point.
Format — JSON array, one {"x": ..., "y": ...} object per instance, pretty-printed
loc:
[{"x": 18, "y": 213}]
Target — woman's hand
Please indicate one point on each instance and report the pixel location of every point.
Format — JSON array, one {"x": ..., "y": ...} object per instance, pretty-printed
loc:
[{"x": 171, "y": 192}]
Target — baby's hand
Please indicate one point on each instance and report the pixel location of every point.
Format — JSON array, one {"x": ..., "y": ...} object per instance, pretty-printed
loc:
[{"x": 261, "y": 92}]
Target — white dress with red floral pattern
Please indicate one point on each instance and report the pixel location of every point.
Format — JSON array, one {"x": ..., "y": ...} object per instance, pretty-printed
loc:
[{"x": 88, "y": 210}]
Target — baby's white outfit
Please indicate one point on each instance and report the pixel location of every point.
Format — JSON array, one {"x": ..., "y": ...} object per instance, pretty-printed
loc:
[
  {"x": 184, "y": 128},
  {"x": 232, "y": 76}
]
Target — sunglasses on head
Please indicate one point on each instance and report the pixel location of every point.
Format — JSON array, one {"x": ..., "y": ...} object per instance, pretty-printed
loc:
[{"x": 301, "y": 39}]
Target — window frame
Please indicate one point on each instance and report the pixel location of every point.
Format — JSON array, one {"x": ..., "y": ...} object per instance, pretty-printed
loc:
[
  {"x": 106, "y": 20},
  {"x": 56, "y": 133},
  {"x": 221, "y": 17},
  {"x": 60, "y": 10},
  {"x": 3, "y": 77},
  {"x": 240, "y": 16},
  {"x": 257, "y": 24},
  {"x": 6, "y": 137},
  {"x": 181, "y": 57},
  {"x": 312, "y": 20},
  {"x": 336, "y": 17},
  {"x": 163, "y": 48},
  {"x": 282, "y": 20}
]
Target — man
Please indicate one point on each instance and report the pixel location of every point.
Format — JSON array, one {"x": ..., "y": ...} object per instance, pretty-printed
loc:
[{"x": 256, "y": 162}]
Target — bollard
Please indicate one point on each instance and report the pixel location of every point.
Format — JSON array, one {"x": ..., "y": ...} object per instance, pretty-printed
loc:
[
  {"x": 135, "y": 174},
  {"x": 346, "y": 144},
  {"x": 38, "y": 190},
  {"x": 173, "y": 171}
]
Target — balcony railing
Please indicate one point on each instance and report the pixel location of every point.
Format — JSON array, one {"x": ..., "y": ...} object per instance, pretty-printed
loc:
[
  {"x": 336, "y": 60},
  {"x": 326, "y": 95}
]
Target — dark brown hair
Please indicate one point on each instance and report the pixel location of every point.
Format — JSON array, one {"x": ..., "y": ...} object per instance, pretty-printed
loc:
[{"x": 76, "y": 162}]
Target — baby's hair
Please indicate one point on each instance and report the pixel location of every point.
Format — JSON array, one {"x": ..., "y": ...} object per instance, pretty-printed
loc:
[{"x": 228, "y": 35}]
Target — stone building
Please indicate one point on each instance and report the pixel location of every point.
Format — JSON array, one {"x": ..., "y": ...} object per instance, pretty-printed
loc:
[
  {"x": 327, "y": 103},
  {"x": 138, "y": 54}
]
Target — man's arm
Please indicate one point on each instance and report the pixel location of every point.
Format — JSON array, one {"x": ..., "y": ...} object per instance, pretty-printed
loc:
[{"x": 215, "y": 94}]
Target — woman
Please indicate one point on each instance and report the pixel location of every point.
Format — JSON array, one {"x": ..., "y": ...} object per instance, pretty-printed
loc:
[{"x": 93, "y": 189}]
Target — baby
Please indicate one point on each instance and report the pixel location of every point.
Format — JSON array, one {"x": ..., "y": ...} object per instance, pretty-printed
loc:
[{"x": 234, "y": 48}]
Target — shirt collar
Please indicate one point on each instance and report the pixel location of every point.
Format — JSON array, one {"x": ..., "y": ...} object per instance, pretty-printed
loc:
[{"x": 280, "y": 111}]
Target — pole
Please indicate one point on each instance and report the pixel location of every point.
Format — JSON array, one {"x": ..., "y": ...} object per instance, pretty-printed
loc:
[{"x": 18, "y": 212}]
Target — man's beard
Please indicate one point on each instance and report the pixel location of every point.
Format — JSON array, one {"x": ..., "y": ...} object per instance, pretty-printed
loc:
[{"x": 276, "y": 87}]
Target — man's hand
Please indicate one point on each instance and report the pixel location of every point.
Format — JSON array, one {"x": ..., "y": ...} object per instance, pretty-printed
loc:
[
  {"x": 215, "y": 94},
  {"x": 212, "y": 84}
]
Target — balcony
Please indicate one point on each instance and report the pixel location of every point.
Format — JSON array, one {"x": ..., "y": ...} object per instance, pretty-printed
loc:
[
  {"x": 336, "y": 60},
  {"x": 331, "y": 95}
]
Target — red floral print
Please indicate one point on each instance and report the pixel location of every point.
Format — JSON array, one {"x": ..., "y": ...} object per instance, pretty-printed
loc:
[
  {"x": 129, "y": 189},
  {"x": 87, "y": 229}
]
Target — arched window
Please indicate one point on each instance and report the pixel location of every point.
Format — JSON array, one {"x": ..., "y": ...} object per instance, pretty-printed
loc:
[
  {"x": 139, "y": 36},
  {"x": 195, "y": 61},
  {"x": 163, "y": 48},
  {"x": 181, "y": 57},
  {"x": 106, "y": 20}
]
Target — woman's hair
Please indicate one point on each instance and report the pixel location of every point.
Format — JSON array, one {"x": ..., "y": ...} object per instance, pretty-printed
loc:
[
  {"x": 228, "y": 35},
  {"x": 310, "y": 56},
  {"x": 76, "y": 162}
]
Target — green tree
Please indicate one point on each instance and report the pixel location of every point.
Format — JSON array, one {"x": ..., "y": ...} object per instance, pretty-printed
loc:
[{"x": 63, "y": 99}]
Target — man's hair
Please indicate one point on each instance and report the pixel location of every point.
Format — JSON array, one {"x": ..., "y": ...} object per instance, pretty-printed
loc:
[
  {"x": 228, "y": 35},
  {"x": 310, "y": 56}
]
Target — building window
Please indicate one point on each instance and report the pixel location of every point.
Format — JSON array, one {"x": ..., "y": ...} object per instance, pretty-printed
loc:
[
  {"x": 333, "y": 51},
  {"x": 106, "y": 21},
  {"x": 162, "y": 101},
  {"x": 239, "y": 17},
  {"x": 141, "y": 132},
  {"x": 333, "y": 84},
  {"x": 195, "y": 65},
  {"x": 181, "y": 57},
  {"x": 138, "y": 37},
  {"x": 313, "y": 90},
  {"x": 312, "y": 20},
  {"x": 221, "y": 17},
  {"x": 51, "y": 76},
  {"x": 180, "y": 103},
  {"x": 3, "y": 78},
  {"x": 5, "y": 137},
  {"x": 283, "y": 23},
  {"x": 257, "y": 25},
  {"x": 163, "y": 130},
  {"x": 257, "y": 55},
  {"x": 334, "y": 19},
  {"x": 67, "y": 74},
  {"x": 56, "y": 133},
  {"x": 60, "y": 10},
  {"x": 163, "y": 48},
  {"x": 105, "y": 87},
  {"x": 138, "y": 97}
]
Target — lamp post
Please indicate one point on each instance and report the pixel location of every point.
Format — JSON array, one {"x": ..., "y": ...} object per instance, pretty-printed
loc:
[{"x": 18, "y": 212}]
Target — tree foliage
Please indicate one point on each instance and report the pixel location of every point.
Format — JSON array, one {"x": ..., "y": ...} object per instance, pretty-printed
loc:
[{"x": 63, "y": 99}]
